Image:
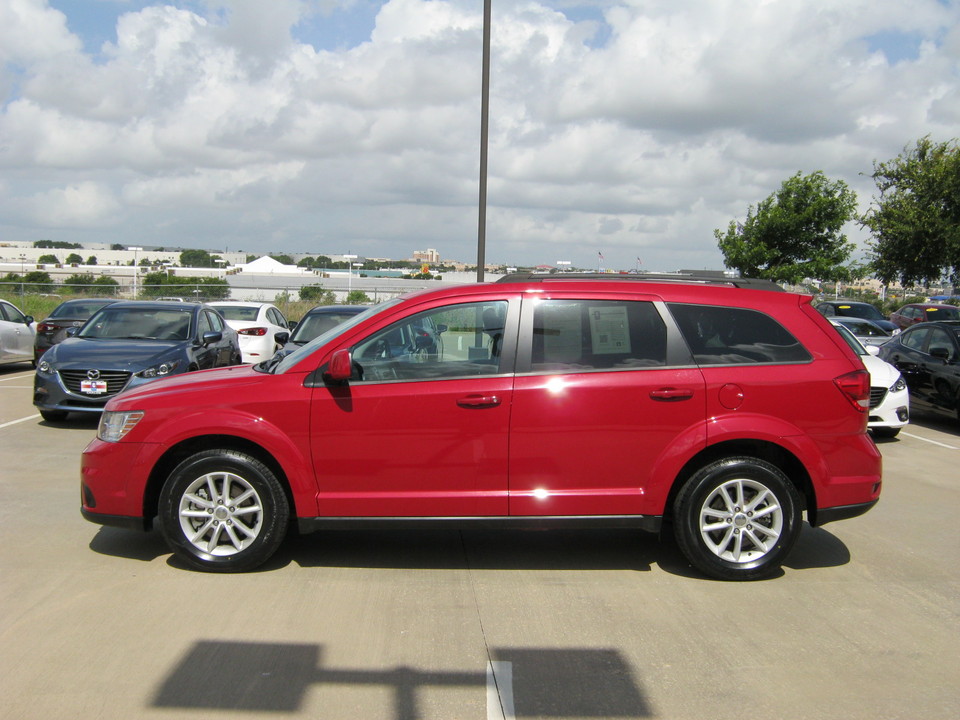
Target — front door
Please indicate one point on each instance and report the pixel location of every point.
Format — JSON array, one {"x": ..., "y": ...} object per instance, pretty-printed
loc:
[{"x": 421, "y": 429}]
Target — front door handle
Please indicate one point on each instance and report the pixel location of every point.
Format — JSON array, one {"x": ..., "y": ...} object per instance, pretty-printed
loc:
[
  {"x": 478, "y": 401},
  {"x": 669, "y": 394}
]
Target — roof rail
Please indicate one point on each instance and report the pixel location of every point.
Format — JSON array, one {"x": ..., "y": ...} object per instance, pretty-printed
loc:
[{"x": 751, "y": 283}]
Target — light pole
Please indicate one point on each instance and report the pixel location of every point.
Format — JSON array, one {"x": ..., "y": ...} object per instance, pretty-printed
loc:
[
  {"x": 135, "y": 251},
  {"x": 23, "y": 262},
  {"x": 484, "y": 134},
  {"x": 349, "y": 259}
]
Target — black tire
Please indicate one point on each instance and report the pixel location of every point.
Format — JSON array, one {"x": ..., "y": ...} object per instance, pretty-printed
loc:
[
  {"x": 208, "y": 532},
  {"x": 53, "y": 415},
  {"x": 737, "y": 518},
  {"x": 885, "y": 432}
]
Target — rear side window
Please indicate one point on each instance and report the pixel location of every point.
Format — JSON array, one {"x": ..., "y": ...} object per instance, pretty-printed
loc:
[
  {"x": 581, "y": 335},
  {"x": 735, "y": 336}
]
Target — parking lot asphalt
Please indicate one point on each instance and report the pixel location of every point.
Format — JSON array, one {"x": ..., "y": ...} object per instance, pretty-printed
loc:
[{"x": 864, "y": 621}]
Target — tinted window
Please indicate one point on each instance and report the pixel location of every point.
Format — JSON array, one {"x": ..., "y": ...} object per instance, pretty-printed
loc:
[
  {"x": 915, "y": 339},
  {"x": 454, "y": 341},
  {"x": 597, "y": 335},
  {"x": 944, "y": 312},
  {"x": 215, "y": 321},
  {"x": 940, "y": 340},
  {"x": 238, "y": 312},
  {"x": 724, "y": 336},
  {"x": 204, "y": 324}
]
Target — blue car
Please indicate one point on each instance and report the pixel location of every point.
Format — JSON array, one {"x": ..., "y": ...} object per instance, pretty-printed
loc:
[{"x": 127, "y": 344}]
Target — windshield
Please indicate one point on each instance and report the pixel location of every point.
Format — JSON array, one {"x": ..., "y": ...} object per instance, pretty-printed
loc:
[
  {"x": 865, "y": 328},
  {"x": 315, "y": 324},
  {"x": 238, "y": 312},
  {"x": 860, "y": 310},
  {"x": 133, "y": 323},
  {"x": 280, "y": 364},
  {"x": 942, "y": 312},
  {"x": 852, "y": 341},
  {"x": 79, "y": 310}
]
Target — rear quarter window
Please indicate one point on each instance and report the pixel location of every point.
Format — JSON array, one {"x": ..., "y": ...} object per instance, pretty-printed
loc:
[{"x": 736, "y": 336}]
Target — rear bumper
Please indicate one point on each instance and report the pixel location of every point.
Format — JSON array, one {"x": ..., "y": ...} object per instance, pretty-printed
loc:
[{"x": 821, "y": 516}]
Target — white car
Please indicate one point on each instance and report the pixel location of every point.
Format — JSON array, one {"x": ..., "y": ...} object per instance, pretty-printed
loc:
[
  {"x": 17, "y": 334},
  {"x": 889, "y": 399},
  {"x": 257, "y": 325}
]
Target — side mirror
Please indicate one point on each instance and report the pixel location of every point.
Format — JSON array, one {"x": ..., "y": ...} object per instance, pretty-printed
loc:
[
  {"x": 873, "y": 350},
  {"x": 209, "y": 338},
  {"x": 28, "y": 319},
  {"x": 281, "y": 338},
  {"x": 71, "y": 331},
  {"x": 340, "y": 367},
  {"x": 441, "y": 328},
  {"x": 940, "y": 353}
]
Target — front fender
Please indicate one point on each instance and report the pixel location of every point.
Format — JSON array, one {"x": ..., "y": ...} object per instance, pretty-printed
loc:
[{"x": 288, "y": 447}]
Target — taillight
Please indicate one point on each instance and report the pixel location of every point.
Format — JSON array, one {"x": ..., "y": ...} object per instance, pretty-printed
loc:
[
  {"x": 856, "y": 387},
  {"x": 46, "y": 327},
  {"x": 259, "y": 332}
]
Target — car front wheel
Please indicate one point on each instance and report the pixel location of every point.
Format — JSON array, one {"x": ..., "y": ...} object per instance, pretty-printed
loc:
[
  {"x": 223, "y": 511},
  {"x": 737, "y": 518}
]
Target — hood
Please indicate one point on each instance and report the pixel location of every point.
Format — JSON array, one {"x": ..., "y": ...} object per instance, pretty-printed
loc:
[
  {"x": 123, "y": 355},
  {"x": 882, "y": 373},
  {"x": 224, "y": 382}
]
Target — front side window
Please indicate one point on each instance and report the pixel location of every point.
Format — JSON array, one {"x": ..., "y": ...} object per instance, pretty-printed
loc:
[
  {"x": 915, "y": 339},
  {"x": 940, "y": 340},
  {"x": 453, "y": 341},
  {"x": 735, "y": 336},
  {"x": 581, "y": 335}
]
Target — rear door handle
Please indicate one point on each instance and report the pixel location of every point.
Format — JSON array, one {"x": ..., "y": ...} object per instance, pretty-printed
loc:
[
  {"x": 478, "y": 401},
  {"x": 670, "y": 394}
]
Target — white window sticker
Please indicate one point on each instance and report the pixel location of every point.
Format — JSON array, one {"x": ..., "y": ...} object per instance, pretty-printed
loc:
[{"x": 609, "y": 330}]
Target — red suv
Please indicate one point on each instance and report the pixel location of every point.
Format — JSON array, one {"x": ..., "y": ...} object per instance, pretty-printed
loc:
[{"x": 718, "y": 409}]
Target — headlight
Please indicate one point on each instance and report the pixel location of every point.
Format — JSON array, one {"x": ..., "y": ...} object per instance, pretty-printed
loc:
[
  {"x": 899, "y": 385},
  {"x": 159, "y": 370},
  {"x": 114, "y": 424}
]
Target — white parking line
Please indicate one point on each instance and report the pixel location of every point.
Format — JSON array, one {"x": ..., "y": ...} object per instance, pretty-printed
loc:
[
  {"x": 500, "y": 690},
  {"x": 15, "y": 377},
  {"x": 934, "y": 442},
  {"x": 14, "y": 422}
]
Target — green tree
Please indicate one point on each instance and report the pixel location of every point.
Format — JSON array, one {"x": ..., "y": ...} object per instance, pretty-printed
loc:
[
  {"x": 357, "y": 297},
  {"x": 45, "y": 259},
  {"x": 794, "y": 233},
  {"x": 316, "y": 294},
  {"x": 283, "y": 259},
  {"x": 915, "y": 220},
  {"x": 74, "y": 258},
  {"x": 196, "y": 258},
  {"x": 92, "y": 260}
]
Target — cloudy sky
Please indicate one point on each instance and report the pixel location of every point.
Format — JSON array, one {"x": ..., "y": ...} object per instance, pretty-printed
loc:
[{"x": 627, "y": 128}]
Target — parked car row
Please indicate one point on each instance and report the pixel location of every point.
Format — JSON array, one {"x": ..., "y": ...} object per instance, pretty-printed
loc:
[{"x": 88, "y": 350}]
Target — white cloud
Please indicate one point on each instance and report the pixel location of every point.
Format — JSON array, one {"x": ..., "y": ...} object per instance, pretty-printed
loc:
[{"x": 635, "y": 125}]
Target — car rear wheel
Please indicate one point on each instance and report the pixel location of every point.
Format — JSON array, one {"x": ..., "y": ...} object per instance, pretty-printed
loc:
[
  {"x": 737, "y": 518},
  {"x": 223, "y": 511}
]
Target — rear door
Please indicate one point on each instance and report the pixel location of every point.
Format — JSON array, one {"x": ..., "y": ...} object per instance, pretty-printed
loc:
[{"x": 601, "y": 399}]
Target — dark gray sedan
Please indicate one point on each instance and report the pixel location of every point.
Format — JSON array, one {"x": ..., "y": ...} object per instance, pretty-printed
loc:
[{"x": 126, "y": 344}]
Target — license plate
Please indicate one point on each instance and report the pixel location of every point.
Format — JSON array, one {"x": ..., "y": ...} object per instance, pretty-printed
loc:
[{"x": 93, "y": 387}]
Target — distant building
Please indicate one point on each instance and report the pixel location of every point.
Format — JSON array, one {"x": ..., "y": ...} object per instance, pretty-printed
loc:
[{"x": 427, "y": 256}]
